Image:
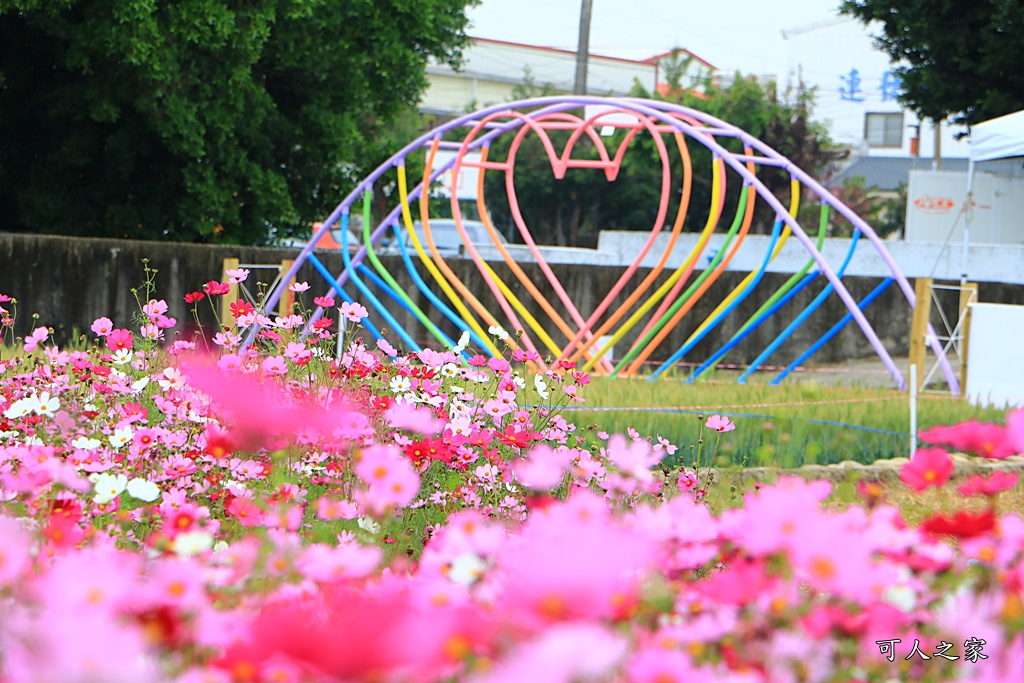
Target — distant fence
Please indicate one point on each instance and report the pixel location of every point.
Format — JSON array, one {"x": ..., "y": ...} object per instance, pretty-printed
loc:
[{"x": 70, "y": 282}]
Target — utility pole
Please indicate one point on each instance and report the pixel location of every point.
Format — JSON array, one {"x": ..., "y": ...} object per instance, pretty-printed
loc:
[
  {"x": 583, "y": 50},
  {"x": 937, "y": 156}
]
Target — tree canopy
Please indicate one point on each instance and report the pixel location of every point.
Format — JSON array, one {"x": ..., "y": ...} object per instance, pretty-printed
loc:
[
  {"x": 957, "y": 60},
  {"x": 204, "y": 120}
]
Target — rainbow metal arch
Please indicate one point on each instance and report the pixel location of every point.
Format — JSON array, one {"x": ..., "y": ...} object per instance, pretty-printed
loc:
[{"x": 670, "y": 302}]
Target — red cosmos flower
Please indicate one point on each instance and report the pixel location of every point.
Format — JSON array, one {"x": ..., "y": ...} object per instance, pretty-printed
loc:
[
  {"x": 929, "y": 467},
  {"x": 382, "y": 402},
  {"x": 977, "y": 485},
  {"x": 420, "y": 452},
  {"x": 63, "y": 531},
  {"x": 240, "y": 308},
  {"x": 517, "y": 438},
  {"x": 984, "y": 439},
  {"x": 963, "y": 524},
  {"x": 193, "y": 297},
  {"x": 322, "y": 324},
  {"x": 213, "y": 287}
]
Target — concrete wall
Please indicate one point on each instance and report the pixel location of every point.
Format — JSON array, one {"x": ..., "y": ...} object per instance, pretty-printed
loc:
[
  {"x": 989, "y": 262},
  {"x": 70, "y": 282}
]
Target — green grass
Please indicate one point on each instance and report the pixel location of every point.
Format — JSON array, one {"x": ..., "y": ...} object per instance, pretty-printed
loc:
[{"x": 786, "y": 426}]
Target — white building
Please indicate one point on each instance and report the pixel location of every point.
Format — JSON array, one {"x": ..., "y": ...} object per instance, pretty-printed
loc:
[
  {"x": 856, "y": 91},
  {"x": 492, "y": 69}
]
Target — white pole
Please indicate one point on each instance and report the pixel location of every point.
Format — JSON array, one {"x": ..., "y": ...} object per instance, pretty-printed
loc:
[
  {"x": 968, "y": 213},
  {"x": 913, "y": 410},
  {"x": 341, "y": 335}
]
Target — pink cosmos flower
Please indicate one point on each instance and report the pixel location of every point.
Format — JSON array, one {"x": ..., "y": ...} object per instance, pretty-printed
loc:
[
  {"x": 120, "y": 339},
  {"x": 544, "y": 467},
  {"x": 499, "y": 365},
  {"x": 236, "y": 275},
  {"x": 33, "y": 340},
  {"x": 324, "y": 301},
  {"x": 387, "y": 348},
  {"x": 154, "y": 308},
  {"x": 720, "y": 423},
  {"x": 15, "y": 544},
  {"x": 929, "y": 467},
  {"x": 573, "y": 562},
  {"x": 247, "y": 512},
  {"x": 102, "y": 326},
  {"x": 984, "y": 439},
  {"x": 635, "y": 457},
  {"x": 392, "y": 479},
  {"x": 299, "y": 286},
  {"x": 565, "y": 652},
  {"x": 353, "y": 312},
  {"x": 977, "y": 485},
  {"x": 322, "y": 562},
  {"x": 419, "y": 420},
  {"x": 1015, "y": 430},
  {"x": 275, "y": 365}
]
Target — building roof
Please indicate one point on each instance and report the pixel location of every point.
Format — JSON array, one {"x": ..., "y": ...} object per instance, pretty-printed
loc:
[
  {"x": 665, "y": 55},
  {"x": 592, "y": 55},
  {"x": 888, "y": 173}
]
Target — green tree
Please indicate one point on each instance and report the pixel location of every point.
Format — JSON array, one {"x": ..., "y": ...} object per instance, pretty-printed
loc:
[
  {"x": 955, "y": 59},
  {"x": 204, "y": 120}
]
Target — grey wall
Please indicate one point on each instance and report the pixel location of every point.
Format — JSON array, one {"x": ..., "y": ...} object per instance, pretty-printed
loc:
[{"x": 70, "y": 282}]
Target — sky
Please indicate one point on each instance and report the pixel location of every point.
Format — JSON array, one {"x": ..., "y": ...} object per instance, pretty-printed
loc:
[{"x": 731, "y": 34}]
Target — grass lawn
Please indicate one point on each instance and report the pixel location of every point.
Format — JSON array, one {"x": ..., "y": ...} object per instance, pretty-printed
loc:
[{"x": 797, "y": 423}]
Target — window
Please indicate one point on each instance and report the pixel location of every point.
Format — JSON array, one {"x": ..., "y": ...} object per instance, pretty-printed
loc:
[{"x": 884, "y": 130}]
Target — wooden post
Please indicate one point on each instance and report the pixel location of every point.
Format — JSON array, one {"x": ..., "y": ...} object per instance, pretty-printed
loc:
[
  {"x": 231, "y": 297},
  {"x": 286, "y": 302},
  {"x": 968, "y": 295},
  {"x": 919, "y": 324}
]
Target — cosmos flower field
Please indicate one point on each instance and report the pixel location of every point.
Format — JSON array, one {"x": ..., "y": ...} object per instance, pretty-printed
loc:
[{"x": 310, "y": 509}]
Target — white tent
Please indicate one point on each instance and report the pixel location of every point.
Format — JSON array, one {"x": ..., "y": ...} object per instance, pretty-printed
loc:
[{"x": 999, "y": 138}]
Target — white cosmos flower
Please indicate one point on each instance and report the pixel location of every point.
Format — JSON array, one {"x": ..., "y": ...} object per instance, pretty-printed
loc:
[
  {"x": 143, "y": 490},
  {"x": 120, "y": 437},
  {"x": 122, "y": 357},
  {"x": 467, "y": 569},
  {"x": 108, "y": 486},
  {"x": 18, "y": 409},
  {"x": 367, "y": 524},
  {"x": 400, "y": 384},
  {"x": 139, "y": 385},
  {"x": 463, "y": 342},
  {"x": 191, "y": 543},
  {"x": 498, "y": 332},
  {"x": 541, "y": 386},
  {"x": 173, "y": 379},
  {"x": 86, "y": 443},
  {"x": 43, "y": 404}
]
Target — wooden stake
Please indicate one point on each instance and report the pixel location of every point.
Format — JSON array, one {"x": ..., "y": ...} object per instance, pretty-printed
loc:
[
  {"x": 231, "y": 297},
  {"x": 968, "y": 295},
  {"x": 286, "y": 303},
  {"x": 919, "y": 324}
]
